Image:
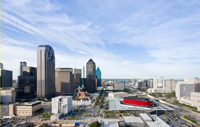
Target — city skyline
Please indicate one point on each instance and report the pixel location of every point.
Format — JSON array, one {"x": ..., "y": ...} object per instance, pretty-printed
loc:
[{"x": 127, "y": 39}]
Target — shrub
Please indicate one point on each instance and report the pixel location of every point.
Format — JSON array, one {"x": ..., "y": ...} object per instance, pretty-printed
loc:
[{"x": 95, "y": 124}]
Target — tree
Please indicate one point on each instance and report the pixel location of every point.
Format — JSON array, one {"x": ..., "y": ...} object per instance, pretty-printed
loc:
[
  {"x": 89, "y": 114},
  {"x": 95, "y": 124},
  {"x": 84, "y": 114}
]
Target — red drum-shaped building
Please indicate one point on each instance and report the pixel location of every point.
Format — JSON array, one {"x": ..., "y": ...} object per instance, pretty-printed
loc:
[{"x": 138, "y": 101}]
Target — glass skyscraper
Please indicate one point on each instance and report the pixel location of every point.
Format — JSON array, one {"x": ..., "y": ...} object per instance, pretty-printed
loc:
[
  {"x": 91, "y": 76},
  {"x": 98, "y": 73},
  {"x": 27, "y": 86},
  {"x": 45, "y": 72}
]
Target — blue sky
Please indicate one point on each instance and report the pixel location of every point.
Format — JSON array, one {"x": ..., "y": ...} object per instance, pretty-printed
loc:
[{"x": 126, "y": 39}]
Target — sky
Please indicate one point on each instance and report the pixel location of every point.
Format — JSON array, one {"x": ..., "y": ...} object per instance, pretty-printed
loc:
[{"x": 125, "y": 38}]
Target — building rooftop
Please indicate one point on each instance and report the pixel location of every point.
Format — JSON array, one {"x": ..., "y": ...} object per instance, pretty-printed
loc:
[
  {"x": 145, "y": 117},
  {"x": 157, "y": 122},
  {"x": 29, "y": 103},
  {"x": 137, "y": 98},
  {"x": 59, "y": 97},
  {"x": 132, "y": 119},
  {"x": 118, "y": 93}
]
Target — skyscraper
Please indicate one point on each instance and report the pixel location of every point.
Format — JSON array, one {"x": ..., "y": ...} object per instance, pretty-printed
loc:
[
  {"x": 1, "y": 66},
  {"x": 91, "y": 76},
  {"x": 98, "y": 73},
  {"x": 77, "y": 77},
  {"x": 21, "y": 65},
  {"x": 45, "y": 72},
  {"x": 5, "y": 77},
  {"x": 64, "y": 81},
  {"x": 27, "y": 84},
  {"x": 133, "y": 81},
  {"x": 83, "y": 71}
]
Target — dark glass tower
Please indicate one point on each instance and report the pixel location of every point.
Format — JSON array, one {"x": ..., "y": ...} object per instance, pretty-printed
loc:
[
  {"x": 27, "y": 84},
  {"x": 98, "y": 73},
  {"x": 91, "y": 76}
]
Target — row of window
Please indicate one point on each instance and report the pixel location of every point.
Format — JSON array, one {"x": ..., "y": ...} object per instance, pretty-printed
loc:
[{"x": 26, "y": 112}]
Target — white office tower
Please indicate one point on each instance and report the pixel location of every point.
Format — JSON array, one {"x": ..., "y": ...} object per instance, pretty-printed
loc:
[
  {"x": 160, "y": 81},
  {"x": 133, "y": 81},
  {"x": 62, "y": 105},
  {"x": 184, "y": 89},
  {"x": 155, "y": 83},
  {"x": 21, "y": 65}
]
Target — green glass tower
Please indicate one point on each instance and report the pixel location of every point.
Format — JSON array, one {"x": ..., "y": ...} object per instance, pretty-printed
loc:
[{"x": 98, "y": 73}]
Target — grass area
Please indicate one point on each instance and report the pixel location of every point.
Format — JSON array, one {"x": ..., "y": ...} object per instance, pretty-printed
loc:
[
  {"x": 73, "y": 118},
  {"x": 184, "y": 105},
  {"x": 166, "y": 95},
  {"x": 46, "y": 115},
  {"x": 188, "y": 118}
]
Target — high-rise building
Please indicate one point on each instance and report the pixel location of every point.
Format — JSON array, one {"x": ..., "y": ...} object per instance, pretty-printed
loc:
[
  {"x": 64, "y": 81},
  {"x": 98, "y": 73},
  {"x": 77, "y": 77},
  {"x": 1, "y": 67},
  {"x": 91, "y": 76},
  {"x": 184, "y": 89},
  {"x": 103, "y": 83},
  {"x": 45, "y": 72},
  {"x": 197, "y": 86},
  {"x": 5, "y": 77},
  {"x": 21, "y": 65},
  {"x": 83, "y": 72},
  {"x": 170, "y": 84},
  {"x": 133, "y": 81},
  {"x": 83, "y": 82},
  {"x": 27, "y": 84},
  {"x": 150, "y": 83}
]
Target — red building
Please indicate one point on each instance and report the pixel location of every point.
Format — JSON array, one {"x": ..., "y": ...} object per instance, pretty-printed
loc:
[{"x": 138, "y": 101}]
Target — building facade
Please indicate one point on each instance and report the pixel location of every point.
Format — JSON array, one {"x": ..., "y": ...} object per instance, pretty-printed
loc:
[
  {"x": 98, "y": 73},
  {"x": 184, "y": 89},
  {"x": 133, "y": 81},
  {"x": 62, "y": 105},
  {"x": 83, "y": 72},
  {"x": 24, "y": 109},
  {"x": 170, "y": 84},
  {"x": 8, "y": 95},
  {"x": 83, "y": 82},
  {"x": 120, "y": 86},
  {"x": 77, "y": 77},
  {"x": 6, "y": 78},
  {"x": 150, "y": 83},
  {"x": 91, "y": 76},
  {"x": 45, "y": 72},
  {"x": 27, "y": 83},
  {"x": 64, "y": 81},
  {"x": 103, "y": 83},
  {"x": 21, "y": 65}
]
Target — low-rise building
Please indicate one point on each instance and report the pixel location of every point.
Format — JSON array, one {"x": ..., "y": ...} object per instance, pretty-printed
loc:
[
  {"x": 120, "y": 86},
  {"x": 159, "y": 90},
  {"x": 81, "y": 102},
  {"x": 132, "y": 121},
  {"x": 24, "y": 109},
  {"x": 8, "y": 95},
  {"x": 62, "y": 105},
  {"x": 117, "y": 94}
]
